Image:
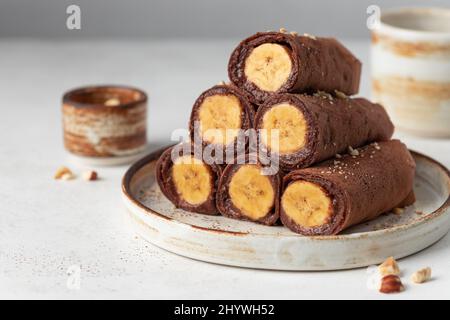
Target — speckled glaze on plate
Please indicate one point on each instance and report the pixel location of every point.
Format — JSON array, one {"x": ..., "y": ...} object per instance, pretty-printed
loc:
[{"x": 238, "y": 243}]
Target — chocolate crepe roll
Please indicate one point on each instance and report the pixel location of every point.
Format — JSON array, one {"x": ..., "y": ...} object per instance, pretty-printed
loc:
[
  {"x": 187, "y": 181},
  {"x": 336, "y": 194},
  {"x": 218, "y": 115},
  {"x": 276, "y": 62},
  {"x": 314, "y": 128},
  {"x": 245, "y": 193}
]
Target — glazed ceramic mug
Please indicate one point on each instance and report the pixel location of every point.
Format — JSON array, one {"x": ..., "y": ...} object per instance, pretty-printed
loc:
[{"x": 411, "y": 69}]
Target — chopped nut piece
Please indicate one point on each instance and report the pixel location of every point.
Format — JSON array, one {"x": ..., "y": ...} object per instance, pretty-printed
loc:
[
  {"x": 90, "y": 175},
  {"x": 340, "y": 94},
  {"x": 352, "y": 151},
  {"x": 67, "y": 176},
  {"x": 309, "y": 36},
  {"x": 113, "y": 102},
  {"x": 283, "y": 30},
  {"x": 294, "y": 33},
  {"x": 398, "y": 210},
  {"x": 324, "y": 95},
  {"x": 391, "y": 284},
  {"x": 389, "y": 267},
  {"x": 63, "y": 173},
  {"x": 338, "y": 156},
  {"x": 422, "y": 275}
]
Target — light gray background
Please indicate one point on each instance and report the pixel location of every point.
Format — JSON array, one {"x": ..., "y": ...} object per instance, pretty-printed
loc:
[{"x": 190, "y": 18}]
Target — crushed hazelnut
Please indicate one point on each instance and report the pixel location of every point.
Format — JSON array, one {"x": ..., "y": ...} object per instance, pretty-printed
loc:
[
  {"x": 389, "y": 267},
  {"x": 352, "y": 151},
  {"x": 338, "y": 156},
  {"x": 340, "y": 94},
  {"x": 67, "y": 176},
  {"x": 421, "y": 276},
  {"x": 63, "y": 173},
  {"x": 294, "y": 33},
  {"x": 283, "y": 30},
  {"x": 391, "y": 284},
  {"x": 398, "y": 211},
  {"x": 309, "y": 36},
  {"x": 324, "y": 95},
  {"x": 90, "y": 175}
]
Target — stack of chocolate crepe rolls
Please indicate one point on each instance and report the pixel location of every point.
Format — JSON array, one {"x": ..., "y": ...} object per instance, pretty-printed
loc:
[{"x": 337, "y": 163}]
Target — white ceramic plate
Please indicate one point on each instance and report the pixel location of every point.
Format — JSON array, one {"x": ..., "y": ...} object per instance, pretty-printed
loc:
[{"x": 231, "y": 242}]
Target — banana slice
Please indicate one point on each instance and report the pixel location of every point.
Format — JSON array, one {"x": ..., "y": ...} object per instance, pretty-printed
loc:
[
  {"x": 307, "y": 204},
  {"x": 291, "y": 126},
  {"x": 192, "y": 179},
  {"x": 251, "y": 192},
  {"x": 220, "y": 118},
  {"x": 268, "y": 66}
]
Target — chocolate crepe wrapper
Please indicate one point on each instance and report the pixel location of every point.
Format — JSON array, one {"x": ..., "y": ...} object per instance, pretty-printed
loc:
[
  {"x": 248, "y": 112},
  {"x": 317, "y": 64},
  {"x": 223, "y": 200},
  {"x": 372, "y": 183},
  {"x": 335, "y": 124},
  {"x": 164, "y": 179}
]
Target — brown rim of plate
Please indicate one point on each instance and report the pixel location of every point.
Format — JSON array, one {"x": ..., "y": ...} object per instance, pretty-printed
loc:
[
  {"x": 126, "y": 190},
  {"x": 68, "y": 97}
]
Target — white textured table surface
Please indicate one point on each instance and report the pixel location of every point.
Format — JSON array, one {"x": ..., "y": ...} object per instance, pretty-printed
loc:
[{"x": 46, "y": 226}]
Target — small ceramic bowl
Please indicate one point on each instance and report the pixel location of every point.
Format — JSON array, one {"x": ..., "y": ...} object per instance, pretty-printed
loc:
[
  {"x": 411, "y": 69},
  {"x": 105, "y": 125}
]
